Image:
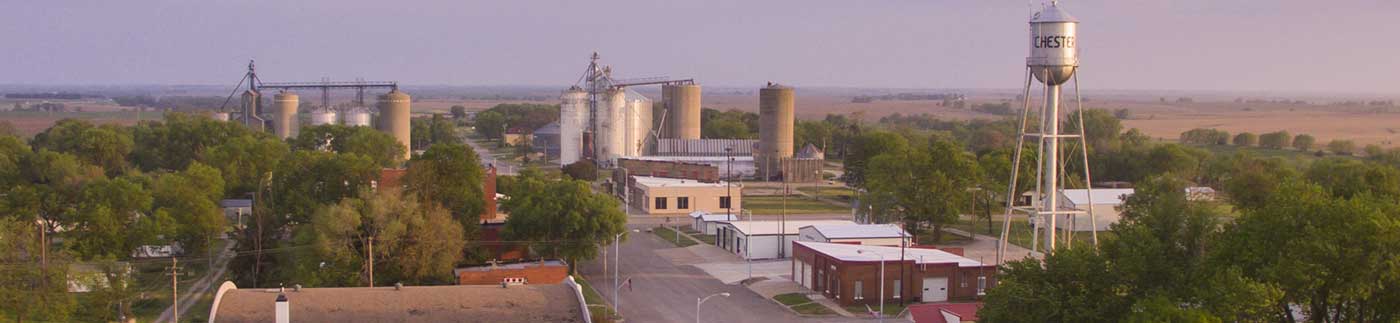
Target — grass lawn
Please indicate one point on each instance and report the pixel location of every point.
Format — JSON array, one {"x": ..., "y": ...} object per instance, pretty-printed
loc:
[
  {"x": 594, "y": 300},
  {"x": 812, "y": 309},
  {"x": 1020, "y": 231},
  {"x": 674, "y": 237},
  {"x": 706, "y": 238},
  {"x": 795, "y": 205},
  {"x": 843, "y": 194},
  {"x": 791, "y": 299},
  {"x": 891, "y": 309}
]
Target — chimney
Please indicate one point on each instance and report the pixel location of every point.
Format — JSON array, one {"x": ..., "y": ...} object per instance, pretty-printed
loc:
[{"x": 283, "y": 310}]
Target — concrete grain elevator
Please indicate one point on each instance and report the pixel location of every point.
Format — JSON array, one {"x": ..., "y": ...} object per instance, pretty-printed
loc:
[
  {"x": 775, "y": 120},
  {"x": 394, "y": 110},
  {"x": 284, "y": 120}
]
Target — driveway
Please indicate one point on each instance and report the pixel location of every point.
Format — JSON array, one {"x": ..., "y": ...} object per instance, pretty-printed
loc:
[{"x": 662, "y": 291}]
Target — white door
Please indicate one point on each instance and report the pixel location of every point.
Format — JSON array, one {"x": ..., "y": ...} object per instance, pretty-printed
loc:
[
  {"x": 806, "y": 275},
  {"x": 935, "y": 289}
]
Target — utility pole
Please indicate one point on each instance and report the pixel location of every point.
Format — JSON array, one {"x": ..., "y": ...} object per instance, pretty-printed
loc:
[
  {"x": 371, "y": 262},
  {"x": 175, "y": 287}
]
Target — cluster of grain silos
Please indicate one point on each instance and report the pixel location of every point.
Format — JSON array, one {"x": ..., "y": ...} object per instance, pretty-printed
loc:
[
  {"x": 357, "y": 118},
  {"x": 775, "y": 120},
  {"x": 394, "y": 110},
  {"x": 682, "y": 103}
]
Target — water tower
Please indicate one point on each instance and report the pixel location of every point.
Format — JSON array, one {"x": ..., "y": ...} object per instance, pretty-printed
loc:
[{"x": 1053, "y": 61}]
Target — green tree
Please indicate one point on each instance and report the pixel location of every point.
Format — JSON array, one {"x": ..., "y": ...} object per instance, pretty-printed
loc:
[
  {"x": 459, "y": 112},
  {"x": 11, "y": 149},
  {"x": 449, "y": 176},
  {"x": 178, "y": 140},
  {"x": 1349, "y": 178},
  {"x": 102, "y": 225},
  {"x": 245, "y": 161},
  {"x": 1246, "y": 139},
  {"x": 412, "y": 243},
  {"x": 1332, "y": 256},
  {"x": 1101, "y": 127},
  {"x": 490, "y": 124},
  {"x": 726, "y": 128},
  {"x": 29, "y": 290},
  {"x": 817, "y": 133},
  {"x": 866, "y": 147},
  {"x": 1342, "y": 147},
  {"x": 927, "y": 186},
  {"x": 379, "y": 147},
  {"x": 308, "y": 179},
  {"x": 583, "y": 170},
  {"x": 1276, "y": 140},
  {"x": 105, "y": 146},
  {"x": 1072, "y": 285},
  {"x": 562, "y": 218},
  {"x": 191, "y": 197},
  {"x": 1304, "y": 142}
]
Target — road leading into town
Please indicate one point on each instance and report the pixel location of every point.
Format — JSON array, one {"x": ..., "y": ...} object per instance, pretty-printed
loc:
[
  {"x": 196, "y": 290},
  {"x": 664, "y": 292}
]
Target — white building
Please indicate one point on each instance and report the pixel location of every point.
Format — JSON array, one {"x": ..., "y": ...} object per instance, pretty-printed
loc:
[
  {"x": 859, "y": 234},
  {"x": 707, "y": 223},
  {"x": 763, "y": 239},
  {"x": 1106, "y": 202}
]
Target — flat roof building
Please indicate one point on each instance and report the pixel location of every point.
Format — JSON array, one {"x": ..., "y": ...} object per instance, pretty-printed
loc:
[
  {"x": 708, "y": 223},
  {"x": 859, "y": 234},
  {"x": 526, "y": 272},
  {"x": 850, "y": 274},
  {"x": 672, "y": 196},
  {"x": 769, "y": 239},
  {"x": 1106, "y": 202},
  {"x": 455, "y": 303}
]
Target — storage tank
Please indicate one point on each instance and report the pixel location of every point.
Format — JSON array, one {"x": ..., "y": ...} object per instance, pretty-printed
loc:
[
  {"x": 685, "y": 111},
  {"x": 220, "y": 116},
  {"x": 638, "y": 124},
  {"x": 250, "y": 103},
  {"x": 284, "y": 118},
  {"x": 573, "y": 115},
  {"x": 663, "y": 115},
  {"x": 1054, "y": 45},
  {"x": 357, "y": 118},
  {"x": 775, "y": 120},
  {"x": 611, "y": 127},
  {"x": 393, "y": 118},
  {"x": 322, "y": 118}
]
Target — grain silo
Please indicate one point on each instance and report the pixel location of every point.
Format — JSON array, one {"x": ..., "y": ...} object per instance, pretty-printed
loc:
[
  {"x": 684, "y": 114},
  {"x": 249, "y": 103},
  {"x": 393, "y": 118},
  {"x": 612, "y": 126},
  {"x": 357, "y": 118},
  {"x": 775, "y": 120},
  {"x": 573, "y": 111},
  {"x": 638, "y": 124},
  {"x": 284, "y": 119},
  {"x": 323, "y": 118}
]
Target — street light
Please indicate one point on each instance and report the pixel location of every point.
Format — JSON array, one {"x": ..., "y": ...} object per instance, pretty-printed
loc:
[
  {"x": 882, "y": 281},
  {"x": 617, "y": 264},
  {"x": 699, "y": 301}
]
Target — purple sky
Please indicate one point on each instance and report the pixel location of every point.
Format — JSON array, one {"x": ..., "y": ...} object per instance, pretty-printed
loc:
[{"x": 1274, "y": 45}]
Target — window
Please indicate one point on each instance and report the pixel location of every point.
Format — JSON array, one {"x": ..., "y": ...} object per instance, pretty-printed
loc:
[
  {"x": 682, "y": 203},
  {"x": 981, "y": 285},
  {"x": 660, "y": 203},
  {"x": 962, "y": 280},
  {"x": 856, "y": 292},
  {"x": 896, "y": 289},
  {"x": 724, "y": 202}
]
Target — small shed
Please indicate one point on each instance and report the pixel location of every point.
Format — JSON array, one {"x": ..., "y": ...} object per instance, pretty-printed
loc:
[{"x": 706, "y": 222}]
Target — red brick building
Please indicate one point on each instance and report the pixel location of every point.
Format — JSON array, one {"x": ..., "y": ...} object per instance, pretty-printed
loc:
[
  {"x": 850, "y": 275},
  {"x": 670, "y": 169},
  {"x": 529, "y": 272}
]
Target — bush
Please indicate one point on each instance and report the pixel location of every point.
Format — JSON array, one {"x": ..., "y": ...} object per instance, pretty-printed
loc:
[
  {"x": 1204, "y": 136},
  {"x": 1276, "y": 140},
  {"x": 1304, "y": 142},
  {"x": 583, "y": 170},
  {"x": 1342, "y": 147},
  {"x": 1246, "y": 139}
]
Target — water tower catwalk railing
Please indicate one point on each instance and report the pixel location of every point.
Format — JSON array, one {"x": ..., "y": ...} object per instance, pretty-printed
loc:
[{"x": 1053, "y": 61}]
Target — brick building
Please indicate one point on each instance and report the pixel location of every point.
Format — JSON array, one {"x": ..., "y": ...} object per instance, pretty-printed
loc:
[
  {"x": 849, "y": 274},
  {"x": 528, "y": 272},
  {"x": 671, "y": 169}
]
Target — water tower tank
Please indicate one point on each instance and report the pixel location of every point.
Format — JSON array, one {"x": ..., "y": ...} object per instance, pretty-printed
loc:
[
  {"x": 357, "y": 118},
  {"x": 393, "y": 118},
  {"x": 284, "y": 119},
  {"x": 775, "y": 121},
  {"x": 685, "y": 111},
  {"x": 1054, "y": 45},
  {"x": 322, "y": 118},
  {"x": 573, "y": 116}
]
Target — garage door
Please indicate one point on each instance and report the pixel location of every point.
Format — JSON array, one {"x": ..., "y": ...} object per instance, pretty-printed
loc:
[{"x": 935, "y": 289}]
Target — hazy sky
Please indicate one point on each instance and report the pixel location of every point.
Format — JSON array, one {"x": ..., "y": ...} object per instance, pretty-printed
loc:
[{"x": 1268, "y": 45}]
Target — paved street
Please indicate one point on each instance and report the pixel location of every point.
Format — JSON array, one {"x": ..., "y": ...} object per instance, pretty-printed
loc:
[{"x": 665, "y": 292}]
